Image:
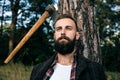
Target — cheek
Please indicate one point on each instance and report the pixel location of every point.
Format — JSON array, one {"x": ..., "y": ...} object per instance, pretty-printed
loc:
[
  {"x": 71, "y": 35},
  {"x": 56, "y": 36}
]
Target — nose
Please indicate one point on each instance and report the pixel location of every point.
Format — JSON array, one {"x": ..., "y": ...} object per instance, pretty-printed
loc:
[{"x": 63, "y": 32}]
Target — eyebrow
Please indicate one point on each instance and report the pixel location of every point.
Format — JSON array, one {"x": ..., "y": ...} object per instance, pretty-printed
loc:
[
  {"x": 65, "y": 26},
  {"x": 69, "y": 26}
]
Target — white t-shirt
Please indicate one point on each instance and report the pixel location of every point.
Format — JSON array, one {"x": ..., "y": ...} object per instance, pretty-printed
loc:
[{"x": 61, "y": 72}]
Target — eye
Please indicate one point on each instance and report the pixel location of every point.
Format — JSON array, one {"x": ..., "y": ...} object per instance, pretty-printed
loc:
[
  {"x": 58, "y": 28},
  {"x": 69, "y": 27}
]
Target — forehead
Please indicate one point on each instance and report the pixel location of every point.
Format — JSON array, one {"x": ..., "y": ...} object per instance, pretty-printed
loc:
[{"x": 65, "y": 21}]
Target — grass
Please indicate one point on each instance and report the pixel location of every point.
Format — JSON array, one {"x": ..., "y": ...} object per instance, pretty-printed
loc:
[
  {"x": 15, "y": 72},
  {"x": 21, "y": 72},
  {"x": 113, "y": 75}
]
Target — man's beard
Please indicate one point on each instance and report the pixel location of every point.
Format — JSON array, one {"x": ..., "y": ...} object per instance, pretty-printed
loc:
[{"x": 65, "y": 48}]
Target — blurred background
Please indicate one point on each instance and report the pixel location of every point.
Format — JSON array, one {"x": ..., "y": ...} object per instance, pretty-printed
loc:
[{"x": 18, "y": 16}]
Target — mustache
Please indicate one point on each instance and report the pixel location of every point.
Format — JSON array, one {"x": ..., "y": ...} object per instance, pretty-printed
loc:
[{"x": 64, "y": 37}]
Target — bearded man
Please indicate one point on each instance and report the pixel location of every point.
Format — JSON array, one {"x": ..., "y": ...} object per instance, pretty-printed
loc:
[{"x": 67, "y": 63}]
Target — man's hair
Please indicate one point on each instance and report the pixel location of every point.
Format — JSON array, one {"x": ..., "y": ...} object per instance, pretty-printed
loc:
[{"x": 62, "y": 16}]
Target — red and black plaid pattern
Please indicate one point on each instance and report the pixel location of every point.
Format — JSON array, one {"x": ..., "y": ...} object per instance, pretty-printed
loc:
[
  {"x": 51, "y": 70},
  {"x": 72, "y": 76}
]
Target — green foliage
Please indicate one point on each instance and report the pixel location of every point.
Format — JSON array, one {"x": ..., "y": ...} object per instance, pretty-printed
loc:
[
  {"x": 37, "y": 49},
  {"x": 38, "y": 46},
  {"x": 39, "y": 5},
  {"x": 3, "y": 48},
  {"x": 111, "y": 54},
  {"x": 108, "y": 21}
]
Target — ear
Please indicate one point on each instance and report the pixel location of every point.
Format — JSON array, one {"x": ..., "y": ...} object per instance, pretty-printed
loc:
[{"x": 77, "y": 35}]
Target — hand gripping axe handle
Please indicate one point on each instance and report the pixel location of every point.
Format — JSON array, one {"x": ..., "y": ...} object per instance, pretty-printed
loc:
[{"x": 50, "y": 9}]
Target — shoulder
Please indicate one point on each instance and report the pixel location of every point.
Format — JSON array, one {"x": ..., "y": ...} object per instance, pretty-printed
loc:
[
  {"x": 94, "y": 65},
  {"x": 89, "y": 63},
  {"x": 37, "y": 66},
  {"x": 97, "y": 70},
  {"x": 40, "y": 68},
  {"x": 35, "y": 71},
  {"x": 44, "y": 63},
  {"x": 84, "y": 62}
]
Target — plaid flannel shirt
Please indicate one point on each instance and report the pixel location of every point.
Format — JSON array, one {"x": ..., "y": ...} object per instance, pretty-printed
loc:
[{"x": 51, "y": 70}]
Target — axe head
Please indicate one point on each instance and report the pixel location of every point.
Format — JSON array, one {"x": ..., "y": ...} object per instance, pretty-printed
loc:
[{"x": 52, "y": 11}]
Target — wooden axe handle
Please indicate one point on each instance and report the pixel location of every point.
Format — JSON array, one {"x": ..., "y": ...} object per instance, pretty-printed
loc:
[{"x": 45, "y": 15}]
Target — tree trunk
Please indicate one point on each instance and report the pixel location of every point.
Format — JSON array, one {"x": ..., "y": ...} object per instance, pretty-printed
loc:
[
  {"x": 83, "y": 12},
  {"x": 14, "y": 9}
]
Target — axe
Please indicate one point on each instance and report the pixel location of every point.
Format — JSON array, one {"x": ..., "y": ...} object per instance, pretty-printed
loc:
[{"x": 50, "y": 9}]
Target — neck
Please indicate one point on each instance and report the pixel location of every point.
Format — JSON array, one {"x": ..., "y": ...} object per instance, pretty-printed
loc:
[{"x": 66, "y": 59}]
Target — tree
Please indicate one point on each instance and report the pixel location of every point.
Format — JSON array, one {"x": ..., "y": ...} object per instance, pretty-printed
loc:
[
  {"x": 108, "y": 21},
  {"x": 83, "y": 12},
  {"x": 14, "y": 9}
]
